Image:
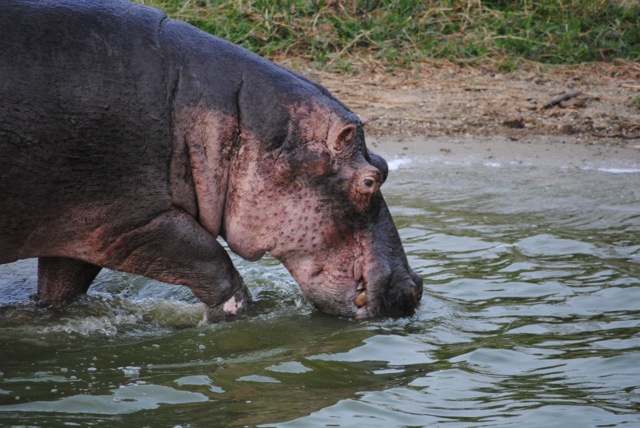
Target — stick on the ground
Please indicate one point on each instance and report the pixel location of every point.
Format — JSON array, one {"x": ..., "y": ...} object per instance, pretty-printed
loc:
[{"x": 567, "y": 95}]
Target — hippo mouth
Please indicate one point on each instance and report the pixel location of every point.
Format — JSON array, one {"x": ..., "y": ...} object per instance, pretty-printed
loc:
[
  {"x": 362, "y": 295},
  {"x": 385, "y": 294},
  {"x": 362, "y": 290},
  {"x": 338, "y": 293},
  {"x": 360, "y": 300}
]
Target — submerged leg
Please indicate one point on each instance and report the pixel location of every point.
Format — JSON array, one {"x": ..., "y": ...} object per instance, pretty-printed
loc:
[{"x": 61, "y": 279}]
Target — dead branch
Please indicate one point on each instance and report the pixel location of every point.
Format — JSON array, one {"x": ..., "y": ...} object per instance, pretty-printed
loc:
[{"x": 567, "y": 95}]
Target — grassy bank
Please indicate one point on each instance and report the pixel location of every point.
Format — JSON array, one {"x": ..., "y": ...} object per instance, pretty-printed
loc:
[{"x": 398, "y": 33}]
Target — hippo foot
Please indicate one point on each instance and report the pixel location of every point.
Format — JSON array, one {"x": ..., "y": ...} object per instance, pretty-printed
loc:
[{"x": 232, "y": 308}]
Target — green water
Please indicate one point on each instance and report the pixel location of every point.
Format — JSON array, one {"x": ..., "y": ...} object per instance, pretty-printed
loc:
[{"x": 530, "y": 317}]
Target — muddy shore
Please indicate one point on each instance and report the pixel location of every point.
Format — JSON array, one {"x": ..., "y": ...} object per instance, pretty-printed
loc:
[{"x": 445, "y": 104}]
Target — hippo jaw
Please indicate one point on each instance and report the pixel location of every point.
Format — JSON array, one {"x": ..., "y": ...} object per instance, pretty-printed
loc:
[
  {"x": 388, "y": 294},
  {"x": 361, "y": 299},
  {"x": 360, "y": 282}
]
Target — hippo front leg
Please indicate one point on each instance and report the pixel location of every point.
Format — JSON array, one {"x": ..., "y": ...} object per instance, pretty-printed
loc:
[
  {"x": 174, "y": 248},
  {"x": 60, "y": 279}
]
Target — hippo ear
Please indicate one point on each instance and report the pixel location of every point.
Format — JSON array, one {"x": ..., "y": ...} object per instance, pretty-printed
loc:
[{"x": 337, "y": 142}]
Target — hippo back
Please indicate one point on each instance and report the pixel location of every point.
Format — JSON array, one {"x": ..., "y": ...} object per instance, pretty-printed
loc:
[{"x": 85, "y": 114}]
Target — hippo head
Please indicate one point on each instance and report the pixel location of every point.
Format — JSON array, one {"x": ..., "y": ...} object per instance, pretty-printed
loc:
[{"x": 310, "y": 196}]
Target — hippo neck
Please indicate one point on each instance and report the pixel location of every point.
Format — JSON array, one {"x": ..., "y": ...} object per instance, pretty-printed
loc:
[
  {"x": 203, "y": 145},
  {"x": 226, "y": 101}
]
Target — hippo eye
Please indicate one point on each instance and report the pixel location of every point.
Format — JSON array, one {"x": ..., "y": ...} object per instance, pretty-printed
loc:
[{"x": 368, "y": 182}]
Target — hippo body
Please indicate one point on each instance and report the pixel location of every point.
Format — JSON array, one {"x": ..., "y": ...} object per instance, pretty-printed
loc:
[{"x": 131, "y": 141}]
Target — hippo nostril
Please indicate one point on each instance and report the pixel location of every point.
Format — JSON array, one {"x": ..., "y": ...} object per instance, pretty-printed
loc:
[{"x": 380, "y": 164}]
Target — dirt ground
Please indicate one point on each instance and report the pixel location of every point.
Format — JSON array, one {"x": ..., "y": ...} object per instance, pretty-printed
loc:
[{"x": 447, "y": 100}]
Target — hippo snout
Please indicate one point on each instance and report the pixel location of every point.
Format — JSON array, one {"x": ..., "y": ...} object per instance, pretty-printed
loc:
[
  {"x": 402, "y": 298},
  {"x": 390, "y": 295}
]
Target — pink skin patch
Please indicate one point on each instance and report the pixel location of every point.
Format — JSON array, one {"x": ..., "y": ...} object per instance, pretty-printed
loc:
[{"x": 233, "y": 306}]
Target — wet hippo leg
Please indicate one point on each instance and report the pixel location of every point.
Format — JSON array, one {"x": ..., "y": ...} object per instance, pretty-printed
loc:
[
  {"x": 174, "y": 248},
  {"x": 61, "y": 279}
]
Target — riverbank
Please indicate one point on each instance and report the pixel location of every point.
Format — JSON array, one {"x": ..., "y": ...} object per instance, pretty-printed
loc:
[
  {"x": 441, "y": 99},
  {"x": 452, "y": 68}
]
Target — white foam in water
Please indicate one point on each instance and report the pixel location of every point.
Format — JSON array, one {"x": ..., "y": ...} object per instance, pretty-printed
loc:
[
  {"x": 126, "y": 315},
  {"x": 620, "y": 170},
  {"x": 493, "y": 164},
  {"x": 395, "y": 164},
  {"x": 105, "y": 325}
]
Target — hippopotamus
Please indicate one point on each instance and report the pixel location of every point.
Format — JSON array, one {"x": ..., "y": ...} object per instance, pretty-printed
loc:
[{"x": 131, "y": 141}]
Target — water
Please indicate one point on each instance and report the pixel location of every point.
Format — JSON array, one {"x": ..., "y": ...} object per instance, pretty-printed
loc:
[{"x": 530, "y": 317}]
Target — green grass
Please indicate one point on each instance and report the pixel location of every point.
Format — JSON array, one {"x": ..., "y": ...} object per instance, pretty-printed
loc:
[{"x": 335, "y": 34}]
